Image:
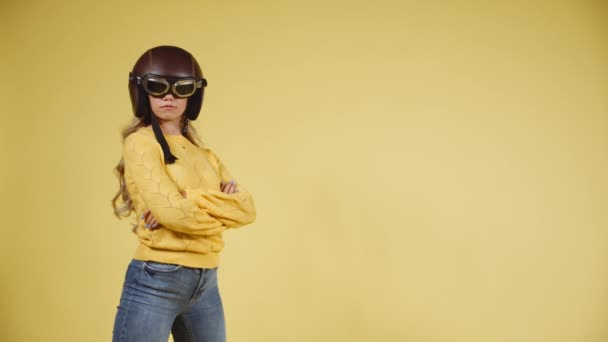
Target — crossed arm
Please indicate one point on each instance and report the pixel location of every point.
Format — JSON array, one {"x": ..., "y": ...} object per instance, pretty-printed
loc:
[
  {"x": 197, "y": 212},
  {"x": 152, "y": 222}
]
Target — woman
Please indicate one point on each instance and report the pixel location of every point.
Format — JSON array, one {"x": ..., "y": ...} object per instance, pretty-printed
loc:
[{"x": 184, "y": 198}]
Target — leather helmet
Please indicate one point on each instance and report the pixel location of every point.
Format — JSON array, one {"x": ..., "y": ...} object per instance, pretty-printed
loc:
[{"x": 168, "y": 61}]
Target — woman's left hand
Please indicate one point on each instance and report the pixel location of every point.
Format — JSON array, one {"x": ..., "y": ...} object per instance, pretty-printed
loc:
[
  {"x": 151, "y": 222},
  {"x": 149, "y": 219}
]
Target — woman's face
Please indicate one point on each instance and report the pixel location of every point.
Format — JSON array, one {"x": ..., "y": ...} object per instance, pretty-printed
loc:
[{"x": 168, "y": 107}]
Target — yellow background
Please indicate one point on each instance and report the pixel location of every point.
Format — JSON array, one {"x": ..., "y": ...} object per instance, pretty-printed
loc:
[{"x": 423, "y": 171}]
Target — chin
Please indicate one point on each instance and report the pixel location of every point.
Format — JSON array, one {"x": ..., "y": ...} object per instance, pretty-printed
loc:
[{"x": 165, "y": 117}]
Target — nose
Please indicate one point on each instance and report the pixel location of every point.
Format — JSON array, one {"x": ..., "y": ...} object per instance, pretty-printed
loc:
[{"x": 168, "y": 96}]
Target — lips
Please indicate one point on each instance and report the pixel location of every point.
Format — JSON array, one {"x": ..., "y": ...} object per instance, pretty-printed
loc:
[{"x": 167, "y": 106}]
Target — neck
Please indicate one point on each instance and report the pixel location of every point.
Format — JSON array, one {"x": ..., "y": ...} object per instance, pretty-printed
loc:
[{"x": 170, "y": 127}]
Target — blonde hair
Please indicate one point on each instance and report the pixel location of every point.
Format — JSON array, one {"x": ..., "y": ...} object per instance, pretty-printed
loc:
[{"x": 122, "y": 202}]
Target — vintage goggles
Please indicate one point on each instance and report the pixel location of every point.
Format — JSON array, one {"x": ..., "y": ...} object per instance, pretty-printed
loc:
[{"x": 156, "y": 85}]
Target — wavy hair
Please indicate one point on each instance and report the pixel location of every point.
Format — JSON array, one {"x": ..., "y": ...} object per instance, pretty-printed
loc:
[{"x": 122, "y": 202}]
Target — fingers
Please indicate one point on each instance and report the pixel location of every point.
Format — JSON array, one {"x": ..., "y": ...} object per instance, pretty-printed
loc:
[
  {"x": 232, "y": 187},
  {"x": 153, "y": 223},
  {"x": 145, "y": 216},
  {"x": 228, "y": 187},
  {"x": 149, "y": 219}
]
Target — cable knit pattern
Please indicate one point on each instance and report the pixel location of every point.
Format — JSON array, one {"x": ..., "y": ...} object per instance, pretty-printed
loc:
[{"x": 190, "y": 229}]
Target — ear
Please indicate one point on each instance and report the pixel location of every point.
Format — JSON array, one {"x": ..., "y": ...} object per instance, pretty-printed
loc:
[{"x": 195, "y": 102}]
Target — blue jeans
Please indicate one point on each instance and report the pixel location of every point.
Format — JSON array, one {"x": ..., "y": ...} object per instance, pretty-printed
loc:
[{"x": 159, "y": 298}]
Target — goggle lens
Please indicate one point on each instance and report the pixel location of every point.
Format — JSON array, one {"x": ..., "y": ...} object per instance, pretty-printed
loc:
[
  {"x": 156, "y": 87},
  {"x": 184, "y": 88}
]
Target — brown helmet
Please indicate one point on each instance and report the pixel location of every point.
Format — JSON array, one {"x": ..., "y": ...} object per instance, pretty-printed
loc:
[{"x": 168, "y": 63}]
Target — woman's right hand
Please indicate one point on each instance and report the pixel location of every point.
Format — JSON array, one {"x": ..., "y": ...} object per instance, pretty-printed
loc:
[{"x": 229, "y": 187}]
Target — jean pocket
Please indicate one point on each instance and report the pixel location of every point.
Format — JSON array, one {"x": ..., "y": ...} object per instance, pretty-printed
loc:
[
  {"x": 132, "y": 274},
  {"x": 155, "y": 266}
]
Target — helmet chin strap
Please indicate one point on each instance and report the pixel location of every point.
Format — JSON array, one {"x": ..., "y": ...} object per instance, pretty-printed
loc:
[
  {"x": 185, "y": 126},
  {"x": 169, "y": 157}
]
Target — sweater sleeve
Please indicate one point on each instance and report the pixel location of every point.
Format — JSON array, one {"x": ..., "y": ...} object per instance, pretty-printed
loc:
[
  {"x": 142, "y": 160},
  {"x": 233, "y": 210}
]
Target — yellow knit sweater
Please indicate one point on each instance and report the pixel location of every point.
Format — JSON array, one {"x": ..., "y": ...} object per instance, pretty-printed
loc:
[{"x": 190, "y": 229}]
